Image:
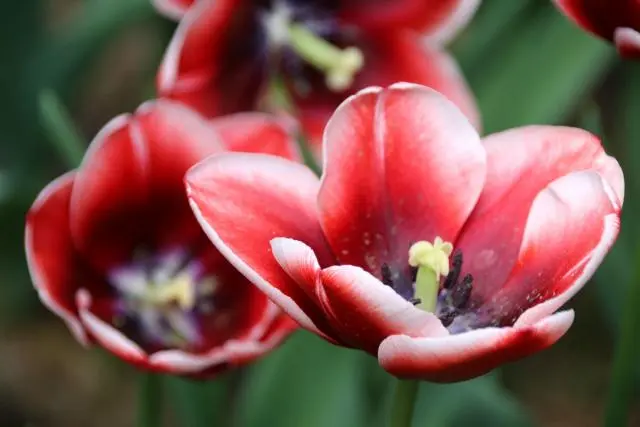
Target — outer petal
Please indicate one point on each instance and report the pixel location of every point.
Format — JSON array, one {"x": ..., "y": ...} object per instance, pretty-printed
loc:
[
  {"x": 571, "y": 226},
  {"x": 51, "y": 257},
  {"x": 129, "y": 188},
  {"x": 471, "y": 354},
  {"x": 210, "y": 63},
  {"x": 242, "y": 201},
  {"x": 389, "y": 58},
  {"x": 602, "y": 17},
  {"x": 521, "y": 163},
  {"x": 173, "y": 9},
  {"x": 258, "y": 133},
  {"x": 628, "y": 42},
  {"x": 428, "y": 16},
  {"x": 365, "y": 311},
  {"x": 401, "y": 165}
]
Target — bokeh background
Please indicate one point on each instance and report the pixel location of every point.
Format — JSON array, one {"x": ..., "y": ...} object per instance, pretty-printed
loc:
[{"x": 526, "y": 64}]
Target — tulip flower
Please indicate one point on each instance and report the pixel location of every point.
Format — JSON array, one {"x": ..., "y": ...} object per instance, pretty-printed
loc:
[
  {"x": 615, "y": 20},
  {"x": 113, "y": 248},
  {"x": 225, "y": 54},
  {"x": 442, "y": 254}
]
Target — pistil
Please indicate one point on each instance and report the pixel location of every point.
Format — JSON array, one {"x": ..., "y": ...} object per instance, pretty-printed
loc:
[{"x": 432, "y": 262}]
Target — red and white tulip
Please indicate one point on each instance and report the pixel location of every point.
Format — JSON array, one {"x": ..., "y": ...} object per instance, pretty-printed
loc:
[
  {"x": 225, "y": 53},
  {"x": 527, "y": 215},
  {"x": 114, "y": 250}
]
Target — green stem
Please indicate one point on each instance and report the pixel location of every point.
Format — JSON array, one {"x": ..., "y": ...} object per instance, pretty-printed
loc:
[
  {"x": 404, "y": 401},
  {"x": 60, "y": 129},
  {"x": 150, "y": 400},
  {"x": 626, "y": 359}
]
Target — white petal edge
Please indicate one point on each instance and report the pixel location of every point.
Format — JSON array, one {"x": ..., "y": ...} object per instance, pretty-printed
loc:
[
  {"x": 627, "y": 37},
  {"x": 169, "y": 9},
  {"x": 274, "y": 294},
  {"x": 70, "y": 319},
  {"x": 451, "y": 346},
  {"x": 590, "y": 262},
  {"x": 106, "y": 335},
  {"x": 465, "y": 10}
]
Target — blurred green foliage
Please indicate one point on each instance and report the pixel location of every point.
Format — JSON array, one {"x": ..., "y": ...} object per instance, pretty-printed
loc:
[{"x": 541, "y": 70}]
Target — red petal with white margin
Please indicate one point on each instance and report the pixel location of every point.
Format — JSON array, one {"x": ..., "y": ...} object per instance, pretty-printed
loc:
[
  {"x": 50, "y": 254},
  {"x": 365, "y": 311},
  {"x": 173, "y": 9},
  {"x": 128, "y": 190},
  {"x": 572, "y": 224},
  {"x": 401, "y": 165},
  {"x": 470, "y": 354},
  {"x": 426, "y": 16},
  {"x": 254, "y": 132},
  {"x": 242, "y": 202},
  {"x": 521, "y": 163},
  {"x": 627, "y": 41},
  {"x": 401, "y": 56},
  {"x": 209, "y": 64}
]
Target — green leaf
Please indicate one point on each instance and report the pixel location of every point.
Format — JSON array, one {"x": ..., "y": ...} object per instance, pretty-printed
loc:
[
  {"x": 479, "y": 402},
  {"x": 307, "y": 382},
  {"x": 540, "y": 73}
]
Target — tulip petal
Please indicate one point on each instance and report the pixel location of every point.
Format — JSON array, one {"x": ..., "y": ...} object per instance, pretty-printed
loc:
[
  {"x": 106, "y": 335},
  {"x": 627, "y": 41},
  {"x": 571, "y": 227},
  {"x": 603, "y": 17},
  {"x": 211, "y": 63},
  {"x": 521, "y": 163},
  {"x": 427, "y": 16},
  {"x": 255, "y": 132},
  {"x": 401, "y": 165},
  {"x": 243, "y": 201},
  {"x": 50, "y": 254},
  {"x": 470, "y": 354},
  {"x": 173, "y": 9},
  {"x": 129, "y": 185},
  {"x": 366, "y": 311},
  {"x": 391, "y": 57}
]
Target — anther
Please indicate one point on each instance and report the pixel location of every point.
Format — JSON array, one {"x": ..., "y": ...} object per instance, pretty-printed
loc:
[
  {"x": 415, "y": 301},
  {"x": 448, "y": 316},
  {"x": 456, "y": 266},
  {"x": 385, "y": 271},
  {"x": 462, "y": 291}
]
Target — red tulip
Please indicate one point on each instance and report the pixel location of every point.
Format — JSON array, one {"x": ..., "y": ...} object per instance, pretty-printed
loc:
[
  {"x": 614, "y": 20},
  {"x": 225, "y": 52},
  {"x": 114, "y": 250},
  {"x": 527, "y": 215}
]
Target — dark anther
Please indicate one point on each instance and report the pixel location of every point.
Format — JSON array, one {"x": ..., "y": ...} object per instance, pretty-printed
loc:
[
  {"x": 456, "y": 266},
  {"x": 415, "y": 301},
  {"x": 386, "y": 275},
  {"x": 414, "y": 274},
  {"x": 447, "y": 317},
  {"x": 461, "y": 292}
]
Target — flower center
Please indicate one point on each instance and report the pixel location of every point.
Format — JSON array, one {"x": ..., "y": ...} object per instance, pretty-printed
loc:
[
  {"x": 162, "y": 299},
  {"x": 437, "y": 286},
  {"x": 302, "y": 36}
]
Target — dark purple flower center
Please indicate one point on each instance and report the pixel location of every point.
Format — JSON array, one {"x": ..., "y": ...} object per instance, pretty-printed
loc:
[
  {"x": 454, "y": 307},
  {"x": 160, "y": 300}
]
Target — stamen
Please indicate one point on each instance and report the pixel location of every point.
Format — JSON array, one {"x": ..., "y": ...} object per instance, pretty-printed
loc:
[
  {"x": 386, "y": 275},
  {"x": 415, "y": 301},
  {"x": 462, "y": 291},
  {"x": 456, "y": 266}
]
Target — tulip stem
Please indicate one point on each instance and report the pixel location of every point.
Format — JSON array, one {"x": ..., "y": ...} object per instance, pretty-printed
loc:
[
  {"x": 150, "y": 400},
  {"x": 626, "y": 358},
  {"x": 404, "y": 401}
]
